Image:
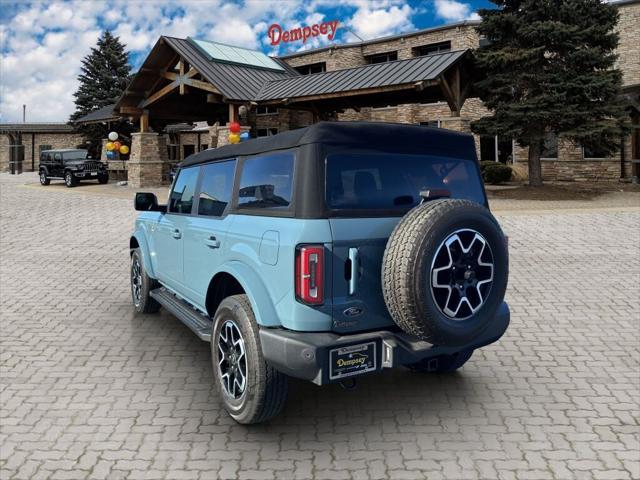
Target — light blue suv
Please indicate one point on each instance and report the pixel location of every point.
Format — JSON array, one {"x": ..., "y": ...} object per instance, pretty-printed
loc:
[{"x": 325, "y": 253}]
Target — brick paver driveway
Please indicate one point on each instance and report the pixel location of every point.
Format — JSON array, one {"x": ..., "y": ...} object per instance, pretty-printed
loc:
[{"x": 91, "y": 391}]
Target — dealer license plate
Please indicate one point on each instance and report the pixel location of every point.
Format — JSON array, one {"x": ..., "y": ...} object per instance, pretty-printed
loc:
[{"x": 352, "y": 360}]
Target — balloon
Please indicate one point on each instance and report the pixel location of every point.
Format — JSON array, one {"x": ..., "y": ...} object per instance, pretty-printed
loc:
[
  {"x": 116, "y": 146},
  {"x": 124, "y": 149},
  {"x": 113, "y": 136},
  {"x": 234, "y": 127},
  {"x": 244, "y": 136},
  {"x": 111, "y": 155},
  {"x": 110, "y": 146},
  {"x": 234, "y": 138}
]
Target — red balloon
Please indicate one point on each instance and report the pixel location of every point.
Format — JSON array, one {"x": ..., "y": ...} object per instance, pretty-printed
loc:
[{"x": 234, "y": 127}]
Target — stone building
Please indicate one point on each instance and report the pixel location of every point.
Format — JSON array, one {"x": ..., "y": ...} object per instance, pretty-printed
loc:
[
  {"x": 187, "y": 91},
  {"x": 21, "y": 143}
]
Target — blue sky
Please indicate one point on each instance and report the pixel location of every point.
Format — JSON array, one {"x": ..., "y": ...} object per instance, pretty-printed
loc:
[{"x": 42, "y": 43}]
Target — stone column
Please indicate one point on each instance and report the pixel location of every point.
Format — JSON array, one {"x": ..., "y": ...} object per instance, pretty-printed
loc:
[
  {"x": 223, "y": 134},
  {"x": 103, "y": 150},
  {"x": 148, "y": 164}
]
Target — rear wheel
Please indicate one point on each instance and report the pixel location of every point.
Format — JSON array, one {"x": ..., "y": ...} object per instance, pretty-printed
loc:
[
  {"x": 44, "y": 180},
  {"x": 442, "y": 364},
  {"x": 70, "y": 179},
  {"x": 251, "y": 390}
]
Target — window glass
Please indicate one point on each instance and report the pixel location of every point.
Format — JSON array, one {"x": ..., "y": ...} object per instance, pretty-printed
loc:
[
  {"x": 550, "y": 146},
  {"x": 76, "y": 155},
  {"x": 215, "y": 188},
  {"x": 432, "y": 48},
  {"x": 394, "y": 181},
  {"x": 57, "y": 156},
  {"x": 594, "y": 151},
  {"x": 266, "y": 181},
  {"x": 312, "y": 68},
  {"x": 181, "y": 199},
  {"x": 382, "y": 57},
  {"x": 266, "y": 132}
]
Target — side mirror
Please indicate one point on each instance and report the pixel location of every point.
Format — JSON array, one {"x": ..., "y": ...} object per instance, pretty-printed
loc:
[{"x": 147, "y": 202}]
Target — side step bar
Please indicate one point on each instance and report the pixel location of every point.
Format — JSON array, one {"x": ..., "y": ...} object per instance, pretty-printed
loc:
[{"x": 199, "y": 323}]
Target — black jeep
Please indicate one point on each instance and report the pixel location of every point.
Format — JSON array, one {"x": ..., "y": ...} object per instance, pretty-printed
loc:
[{"x": 71, "y": 166}]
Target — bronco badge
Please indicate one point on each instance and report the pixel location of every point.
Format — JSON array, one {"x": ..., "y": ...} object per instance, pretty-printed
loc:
[{"x": 353, "y": 312}]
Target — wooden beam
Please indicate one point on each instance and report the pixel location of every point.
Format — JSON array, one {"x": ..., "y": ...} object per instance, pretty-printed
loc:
[
  {"x": 127, "y": 110},
  {"x": 233, "y": 113},
  {"x": 181, "y": 68},
  {"x": 192, "y": 72},
  {"x": 159, "y": 94},
  {"x": 170, "y": 75},
  {"x": 449, "y": 96},
  {"x": 144, "y": 121},
  {"x": 192, "y": 82}
]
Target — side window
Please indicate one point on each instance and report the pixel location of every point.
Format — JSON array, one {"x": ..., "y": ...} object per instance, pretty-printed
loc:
[
  {"x": 215, "y": 188},
  {"x": 266, "y": 181},
  {"x": 57, "y": 157},
  {"x": 181, "y": 199}
]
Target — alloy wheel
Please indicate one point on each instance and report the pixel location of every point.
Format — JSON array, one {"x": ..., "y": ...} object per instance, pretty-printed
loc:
[
  {"x": 232, "y": 360},
  {"x": 462, "y": 274},
  {"x": 136, "y": 281}
]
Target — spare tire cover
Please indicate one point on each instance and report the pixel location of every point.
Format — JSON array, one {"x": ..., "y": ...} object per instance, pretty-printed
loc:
[{"x": 445, "y": 271}]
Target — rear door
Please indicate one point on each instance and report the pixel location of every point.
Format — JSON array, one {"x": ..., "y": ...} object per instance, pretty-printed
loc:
[
  {"x": 367, "y": 195},
  {"x": 205, "y": 232}
]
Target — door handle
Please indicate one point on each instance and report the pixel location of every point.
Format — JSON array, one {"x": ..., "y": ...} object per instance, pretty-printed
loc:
[
  {"x": 212, "y": 242},
  {"x": 355, "y": 269},
  {"x": 177, "y": 234}
]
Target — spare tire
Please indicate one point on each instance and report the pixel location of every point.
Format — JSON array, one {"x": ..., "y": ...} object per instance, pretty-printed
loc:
[{"x": 445, "y": 271}]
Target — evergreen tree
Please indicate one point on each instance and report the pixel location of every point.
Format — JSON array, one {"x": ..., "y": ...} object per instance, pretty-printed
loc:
[
  {"x": 549, "y": 67},
  {"x": 104, "y": 76}
]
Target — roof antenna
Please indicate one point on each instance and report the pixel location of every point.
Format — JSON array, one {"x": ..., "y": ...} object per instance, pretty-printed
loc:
[{"x": 24, "y": 113}]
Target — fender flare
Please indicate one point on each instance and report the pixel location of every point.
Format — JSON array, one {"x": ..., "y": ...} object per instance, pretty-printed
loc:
[
  {"x": 42, "y": 167},
  {"x": 140, "y": 237},
  {"x": 254, "y": 287}
]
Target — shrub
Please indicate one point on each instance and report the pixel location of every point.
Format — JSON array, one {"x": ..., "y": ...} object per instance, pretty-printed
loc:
[
  {"x": 496, "y": 173},
  {"x": 486, "y": 163}
]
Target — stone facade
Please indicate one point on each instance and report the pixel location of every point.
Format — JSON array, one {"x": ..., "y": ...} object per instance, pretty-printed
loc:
[
  {"x": 628, "y": 48},
  {"x": 34, "y": 142},
  {"x": 149, "y": 164}
]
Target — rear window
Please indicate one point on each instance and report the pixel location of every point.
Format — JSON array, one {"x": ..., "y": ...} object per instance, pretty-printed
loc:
[
  {"x": 266, "y": 181},
  {"x": 394, "y": 181}
]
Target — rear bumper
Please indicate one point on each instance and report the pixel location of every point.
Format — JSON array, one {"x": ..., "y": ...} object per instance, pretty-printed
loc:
[{"x": 306, "y": 355}]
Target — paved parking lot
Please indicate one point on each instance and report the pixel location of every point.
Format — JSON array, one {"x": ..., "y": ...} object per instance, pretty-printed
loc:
[{"x": 89, "y": 390}]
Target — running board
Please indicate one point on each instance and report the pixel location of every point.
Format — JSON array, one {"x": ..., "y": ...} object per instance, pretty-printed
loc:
[{"x": 199, "y": 323}]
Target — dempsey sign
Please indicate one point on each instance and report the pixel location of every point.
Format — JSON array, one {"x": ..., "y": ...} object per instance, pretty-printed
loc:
[{"x": 276, "y": 34}]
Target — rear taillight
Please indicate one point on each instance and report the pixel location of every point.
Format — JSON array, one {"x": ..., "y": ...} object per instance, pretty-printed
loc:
[{"x": 310, "y": 274}]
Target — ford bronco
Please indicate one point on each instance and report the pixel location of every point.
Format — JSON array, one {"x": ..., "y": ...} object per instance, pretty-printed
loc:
[
  {"x": 71, "y": 165},
  {"x": 325, "y": 253}
]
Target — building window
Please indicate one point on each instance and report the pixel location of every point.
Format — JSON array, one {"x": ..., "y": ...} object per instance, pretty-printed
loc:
[
  {"x": 594, "y": 151},
  {"x": 382, "y": 57},
  {"x": 204, "y": 146},
  {"x": 267, "y": 132},
  {"x": 550, "y": 146},
  {"x": 266, "y": 110},
  {"x": 431, "y": 123},
  {"x": 432, "y": 48},
  {"x": 188, "y": 150},
  {"x": 172, "y": 151},
  {"x": 312, "y": 68}
]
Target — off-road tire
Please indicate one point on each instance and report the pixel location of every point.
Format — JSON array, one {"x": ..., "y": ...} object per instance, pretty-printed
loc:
[
  {"x": 407, "y": 263},
  {"x": 443, "y": 364},
  {"x": 44, "y": 179},
  {"x": 102, "y": 179},
  {"x": 266, "y": 389},
  {"x": 145, "y": 303},
  {"x": 70, "y": 179}
]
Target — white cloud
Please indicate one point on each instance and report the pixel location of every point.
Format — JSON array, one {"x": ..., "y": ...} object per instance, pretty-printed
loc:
[
  {"x": 43, "y": 42},
  {"x": 370, "y": 23},
  {"x": 453, "y": 11}
]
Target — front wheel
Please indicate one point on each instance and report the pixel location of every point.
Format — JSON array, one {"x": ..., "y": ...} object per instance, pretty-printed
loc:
[
  {"x": 70, "y": 180},
  {"x": 44, "y": 180},
  {"x": 103, "y": 178},
  {"x": 251, "y": 390},
  {"x": 141, "y": 286}
]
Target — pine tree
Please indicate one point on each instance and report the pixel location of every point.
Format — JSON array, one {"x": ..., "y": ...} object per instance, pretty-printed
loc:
[
  {"x": 548, "y": 67},
  {"x": 104, "y": 76}
]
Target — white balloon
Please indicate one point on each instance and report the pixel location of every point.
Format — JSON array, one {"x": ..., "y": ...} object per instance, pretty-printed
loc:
[{"x": 113, "y": 136}]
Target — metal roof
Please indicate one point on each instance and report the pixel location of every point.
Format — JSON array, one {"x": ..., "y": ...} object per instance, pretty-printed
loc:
[
  {"x": 44, "y": 127},
  {"x": 103, "y": 114},
  {"x": 235, "y": 82},
  {"x": 377, "y": 75}
]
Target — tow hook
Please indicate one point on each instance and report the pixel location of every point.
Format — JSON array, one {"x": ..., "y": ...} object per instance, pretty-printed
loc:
[{"x": 348, "y": 384}]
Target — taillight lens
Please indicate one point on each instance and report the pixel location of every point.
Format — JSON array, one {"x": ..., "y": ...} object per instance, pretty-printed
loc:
[{"x": 310, "y": 274}]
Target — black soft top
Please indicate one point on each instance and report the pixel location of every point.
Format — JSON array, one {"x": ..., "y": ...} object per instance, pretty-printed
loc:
[{"x": 391, "y": 137}]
